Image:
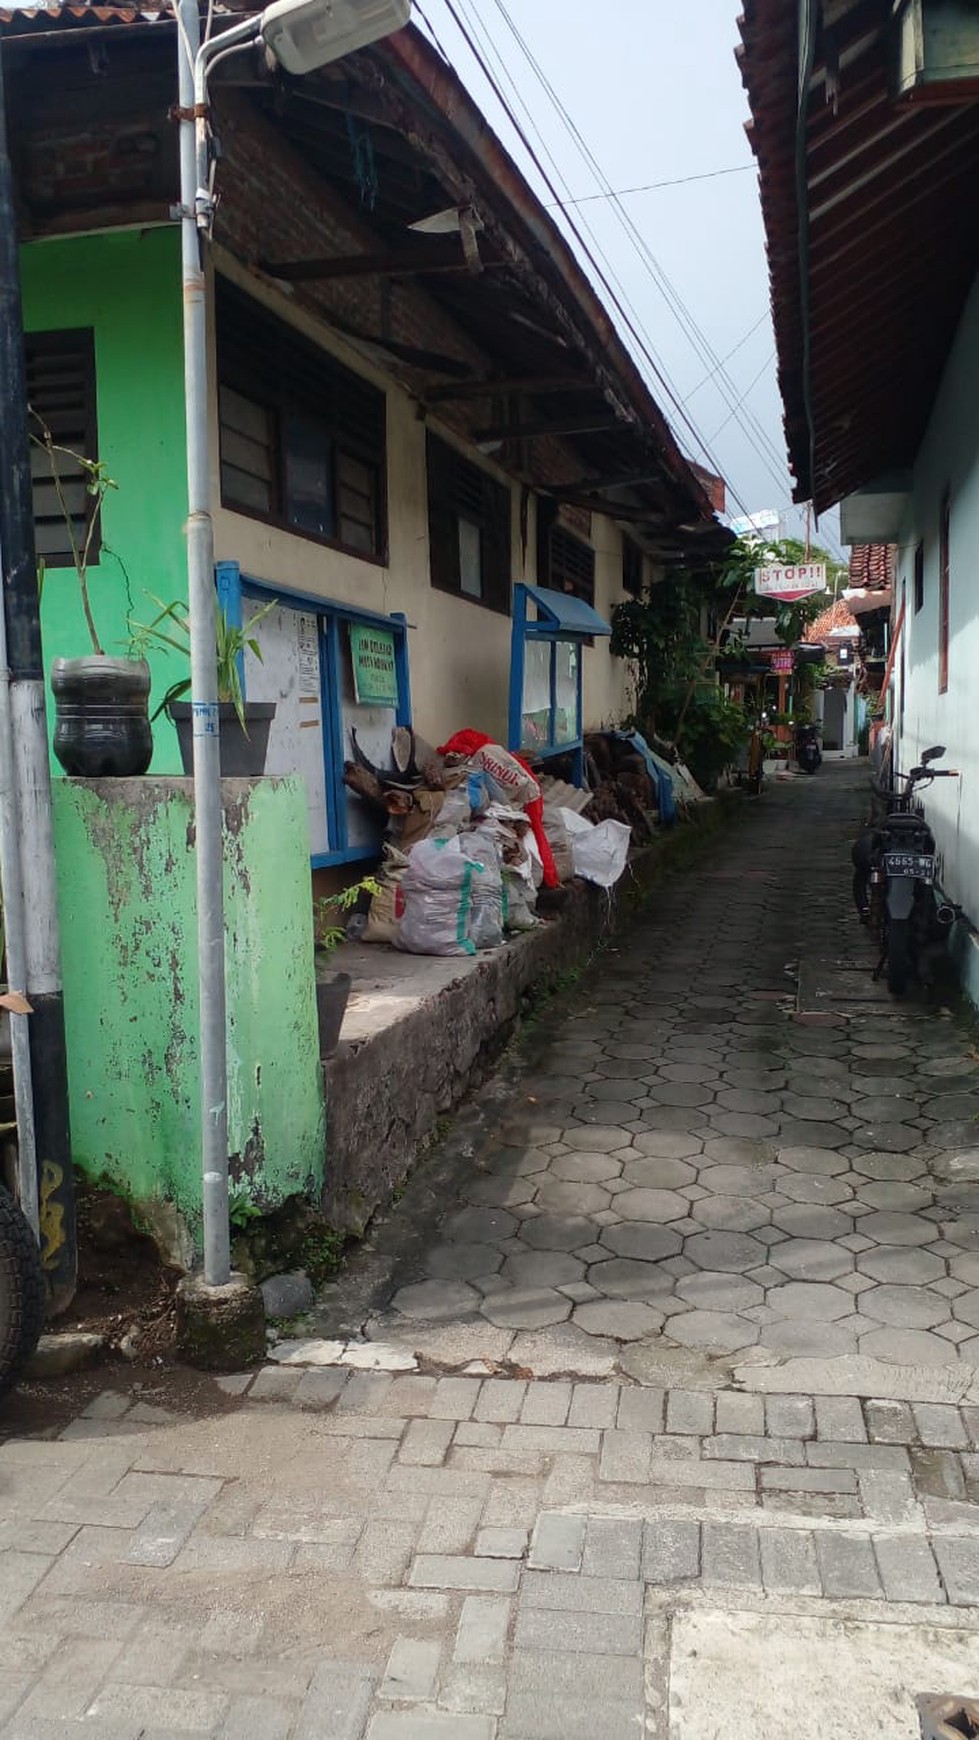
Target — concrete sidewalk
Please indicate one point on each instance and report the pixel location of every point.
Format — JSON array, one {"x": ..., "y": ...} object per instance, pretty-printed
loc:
[
  {"x": 651, "y": 1409},
  {"x": 326, "y": 1555}
]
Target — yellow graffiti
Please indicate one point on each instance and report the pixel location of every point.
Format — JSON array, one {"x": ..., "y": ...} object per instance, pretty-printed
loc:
[{"x": 51, "y": 1213}]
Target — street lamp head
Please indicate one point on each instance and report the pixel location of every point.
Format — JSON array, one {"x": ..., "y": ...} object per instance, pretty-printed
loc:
[{"x": 306, "y": 34}]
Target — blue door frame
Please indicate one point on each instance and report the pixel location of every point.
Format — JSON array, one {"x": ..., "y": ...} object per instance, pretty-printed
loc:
[
  {"x": 233, "y": 588},
  {"x": 560, "y": 618}
]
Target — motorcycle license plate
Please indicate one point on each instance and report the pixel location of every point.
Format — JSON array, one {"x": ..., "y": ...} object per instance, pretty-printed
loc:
[{"x": 920, "y": 865}]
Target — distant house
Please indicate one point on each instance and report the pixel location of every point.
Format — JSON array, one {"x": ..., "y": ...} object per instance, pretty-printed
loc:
[
  {"x": 417, "y": 400},
  {"x": 837, "y": 709},
  {"x": 868, "y": 195}
]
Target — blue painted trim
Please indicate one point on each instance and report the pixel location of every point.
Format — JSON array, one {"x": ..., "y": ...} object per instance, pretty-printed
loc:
[
  {"x": 330, "y": 613},
  {"x": 227, "y": 576},
  {"x": 522, "y": 631},
  {"x": 353, "y": 855},
  {"x": 403, "y": 710},
  {"x": 579, "y": 758},
  {"x": 291, "y": 596},
  {"x": 333, "y": 744}
]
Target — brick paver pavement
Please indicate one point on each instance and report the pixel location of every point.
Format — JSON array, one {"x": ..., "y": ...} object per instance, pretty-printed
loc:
[{"x": 545, "y": 1465}]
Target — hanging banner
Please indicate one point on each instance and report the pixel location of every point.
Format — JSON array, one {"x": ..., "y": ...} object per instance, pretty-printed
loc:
[
  {"x": 788, "y": 584},
  {"x": 374, "y": 667}
]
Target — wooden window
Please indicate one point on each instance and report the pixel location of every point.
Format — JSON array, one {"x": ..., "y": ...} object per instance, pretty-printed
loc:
[
  {"x": 302, "y": 438},
  {"x": 570, "y": 565},
  {"x": 632, "y": 568},
  {"x": 61, "y": 398},
  {"x": 919, "y": 577},
  {"x": 469, "y": 528},
  {"x": 943, "y": 592}
]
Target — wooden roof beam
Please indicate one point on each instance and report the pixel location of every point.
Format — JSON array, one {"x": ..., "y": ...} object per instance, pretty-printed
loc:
[
  {"x": 393, "y": 263},
  {"x": 486, "y": 387}
]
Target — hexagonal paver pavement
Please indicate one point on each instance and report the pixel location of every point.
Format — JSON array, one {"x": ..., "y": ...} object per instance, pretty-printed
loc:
[{"x": 701, "y": 1162}]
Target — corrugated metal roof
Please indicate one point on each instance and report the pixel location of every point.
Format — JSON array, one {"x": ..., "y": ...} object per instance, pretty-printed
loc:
[{"x": 870, "y": 267}]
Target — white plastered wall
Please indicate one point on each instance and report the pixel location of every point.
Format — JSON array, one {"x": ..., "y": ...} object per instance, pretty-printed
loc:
[{"x": 459, "y": 651}]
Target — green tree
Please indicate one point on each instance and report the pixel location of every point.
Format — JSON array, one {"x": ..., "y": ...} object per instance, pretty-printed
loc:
[{"x": 674, "y": 633}]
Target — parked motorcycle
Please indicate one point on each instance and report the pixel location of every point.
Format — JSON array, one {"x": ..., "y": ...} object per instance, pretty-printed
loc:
[
  {"x": 894, "y": 880},
  {"x": 22, "y": 1292},
  {"x": 807, "y": 751}
]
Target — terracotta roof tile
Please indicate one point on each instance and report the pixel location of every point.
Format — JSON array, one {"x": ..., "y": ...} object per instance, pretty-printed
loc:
[
  {"x": 837, "y": 616},
  {"x": 872, "y": 567}
]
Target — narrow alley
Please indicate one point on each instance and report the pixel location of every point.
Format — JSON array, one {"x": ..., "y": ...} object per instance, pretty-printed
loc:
[
  {"x": 666, "y": 1357},
  {"x": 732, "y": 1139}
]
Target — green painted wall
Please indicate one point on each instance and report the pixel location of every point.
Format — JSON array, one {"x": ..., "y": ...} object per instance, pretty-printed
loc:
[
  {"x": 127, "y": 903},
  {"x": 126, "y": 285}
]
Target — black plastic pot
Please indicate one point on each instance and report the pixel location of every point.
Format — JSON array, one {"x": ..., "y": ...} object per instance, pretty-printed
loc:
[
  {"x": 242, "y": 752},
  {"x": 102, "y": 725},
  {"x": 332, "y": 996}
]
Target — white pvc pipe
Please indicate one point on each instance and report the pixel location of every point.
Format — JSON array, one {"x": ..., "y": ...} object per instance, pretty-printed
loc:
[{"x": 12, "y": 883}]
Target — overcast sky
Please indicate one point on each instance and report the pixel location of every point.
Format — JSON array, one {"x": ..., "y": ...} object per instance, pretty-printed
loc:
[{"x": 653, "y": 88}]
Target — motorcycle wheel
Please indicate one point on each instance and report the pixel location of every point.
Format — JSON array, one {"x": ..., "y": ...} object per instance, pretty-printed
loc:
[
  {"x": 22, "y": 1292},
  {"x": 898, "y": 956}
]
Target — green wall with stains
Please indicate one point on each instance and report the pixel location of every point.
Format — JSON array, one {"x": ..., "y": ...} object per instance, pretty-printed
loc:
[
  {"x": 126, "y": 286},
  {"x": 127, "y": 899}
]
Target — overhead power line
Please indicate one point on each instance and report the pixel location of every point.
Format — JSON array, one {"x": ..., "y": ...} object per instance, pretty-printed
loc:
[
  {"x": 754, "y": 432},
  {"x": 591, "y": 250},
  {"x": 651, "y": 186}
]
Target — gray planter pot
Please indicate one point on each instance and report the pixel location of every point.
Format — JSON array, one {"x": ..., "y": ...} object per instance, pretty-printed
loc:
[{"x": 243, "y": 753}]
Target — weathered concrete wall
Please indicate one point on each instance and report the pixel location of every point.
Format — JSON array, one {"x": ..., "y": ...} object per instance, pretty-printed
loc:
[
  {"x": 126, "y": 877},
  {"x": 386, "y": 1093}
]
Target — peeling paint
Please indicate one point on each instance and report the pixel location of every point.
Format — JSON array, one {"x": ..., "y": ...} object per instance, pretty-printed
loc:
[{"x": 127, "y": 896}]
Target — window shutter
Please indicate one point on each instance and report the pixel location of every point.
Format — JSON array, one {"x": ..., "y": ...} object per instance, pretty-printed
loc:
[
  {"x": 443, "y": 515},
  {"x": 497, "y": 543},
  {"x": 61, "y": 396}
]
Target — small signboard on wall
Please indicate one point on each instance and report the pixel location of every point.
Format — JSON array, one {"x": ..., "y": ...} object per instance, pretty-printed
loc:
[{"x": 374, "y": 666}]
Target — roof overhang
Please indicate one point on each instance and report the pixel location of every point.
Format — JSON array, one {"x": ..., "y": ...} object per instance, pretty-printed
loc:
[
  {"x": 873, "y": 515},
  {"x": 558, "y": 379},
  {"x": 561, "y": 616},
  {"x": 870, "y": 207}
]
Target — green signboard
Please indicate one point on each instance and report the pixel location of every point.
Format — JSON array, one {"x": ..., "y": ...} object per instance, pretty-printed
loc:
[{"x": 375, "y": 669}]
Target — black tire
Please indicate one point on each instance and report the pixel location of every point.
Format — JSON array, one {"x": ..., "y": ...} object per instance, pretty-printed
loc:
[
  {"x": 22, "y": 1292},
  {"x": 898, "y": 956}
]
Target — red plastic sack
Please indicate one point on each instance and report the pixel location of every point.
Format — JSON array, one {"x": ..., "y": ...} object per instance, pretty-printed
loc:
[{"x": 468, "y": 743}]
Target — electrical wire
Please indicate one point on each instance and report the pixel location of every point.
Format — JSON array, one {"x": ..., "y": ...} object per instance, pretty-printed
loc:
[
  {"x": 621, "y": 298},
  {"x": 733, "y": 352},
  {"x": 605, "y": 274},
  {"x": 652, "y": 186},
  {"x": 754, "y": 432},
  {"x": 733, "y": 413}
]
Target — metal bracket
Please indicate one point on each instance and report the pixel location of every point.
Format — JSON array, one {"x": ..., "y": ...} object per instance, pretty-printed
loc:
[{"x": 199, "y": 112}]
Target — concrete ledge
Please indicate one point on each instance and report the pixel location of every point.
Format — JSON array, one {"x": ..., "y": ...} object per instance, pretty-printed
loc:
[
  {"x": 964, "y": 950},
  {"x": 422, "y": 1031}
]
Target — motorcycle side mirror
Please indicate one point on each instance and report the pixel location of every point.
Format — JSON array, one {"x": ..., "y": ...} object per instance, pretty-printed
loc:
[{"x": 934, "y": 754}]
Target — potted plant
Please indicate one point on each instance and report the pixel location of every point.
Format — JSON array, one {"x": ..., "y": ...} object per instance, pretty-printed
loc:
[
  {"x": 333, "y": 990},
  {"x": 243, "y": 725},
  {"x": 102, "y": 725}
]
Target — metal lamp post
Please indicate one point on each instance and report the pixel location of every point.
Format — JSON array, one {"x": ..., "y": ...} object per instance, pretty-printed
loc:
[{"x": 303, "y": 35}]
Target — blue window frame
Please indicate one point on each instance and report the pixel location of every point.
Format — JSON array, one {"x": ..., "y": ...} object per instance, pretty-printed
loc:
[
  {"x": 348, "y": 839},
  {"x": 545, "y": 712}
]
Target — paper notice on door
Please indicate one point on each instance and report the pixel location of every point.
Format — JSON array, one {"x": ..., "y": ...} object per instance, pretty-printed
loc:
[{"x": 307, "y": 633}]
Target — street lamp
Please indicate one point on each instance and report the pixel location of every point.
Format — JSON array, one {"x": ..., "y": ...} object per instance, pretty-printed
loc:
[{"x": 303, "y": 35}]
